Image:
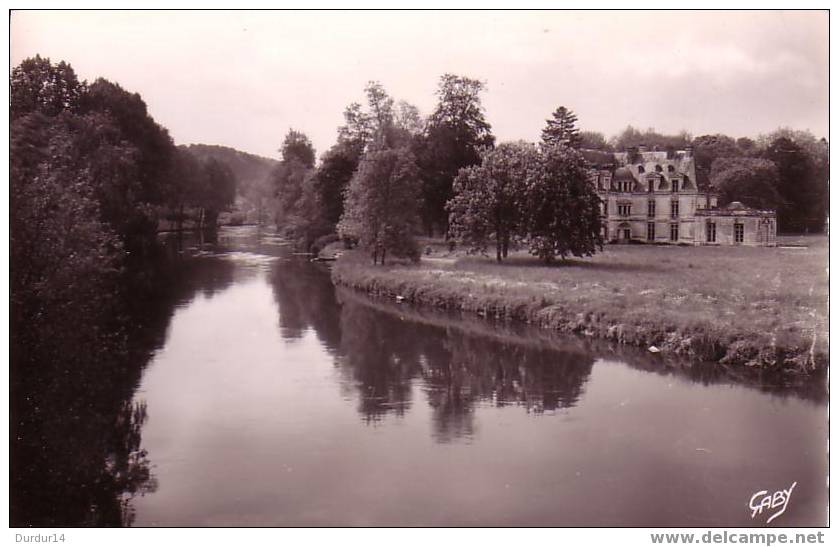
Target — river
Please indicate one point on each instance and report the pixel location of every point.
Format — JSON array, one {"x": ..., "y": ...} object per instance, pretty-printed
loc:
[{"x": 273, "y": 399}]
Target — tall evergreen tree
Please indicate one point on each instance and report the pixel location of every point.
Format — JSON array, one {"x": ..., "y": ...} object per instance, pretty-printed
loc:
[{"x": 562, "y": 129}]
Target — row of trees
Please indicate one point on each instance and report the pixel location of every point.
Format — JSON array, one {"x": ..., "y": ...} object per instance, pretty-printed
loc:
[
  {"x": 392, "y": 174},
  {"x": 786, "y": 170},
  {"x": 99, "y": 140},
  {"x": 90, "y": 173}
]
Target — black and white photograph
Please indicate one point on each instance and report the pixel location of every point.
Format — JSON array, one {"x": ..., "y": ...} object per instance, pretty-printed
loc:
[{"x": 419, "y": 268}]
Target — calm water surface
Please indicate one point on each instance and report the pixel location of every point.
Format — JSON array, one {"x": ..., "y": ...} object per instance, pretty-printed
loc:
[{"x": 276, "y": 400}]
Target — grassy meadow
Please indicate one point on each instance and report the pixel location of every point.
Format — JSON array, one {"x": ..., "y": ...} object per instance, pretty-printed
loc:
[{"x": 763, "y": 307}]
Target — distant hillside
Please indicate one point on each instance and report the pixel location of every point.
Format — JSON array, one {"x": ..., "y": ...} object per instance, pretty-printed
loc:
[
  {"x": 254, "y": 188},
  {"x": 251, "y": 170}
]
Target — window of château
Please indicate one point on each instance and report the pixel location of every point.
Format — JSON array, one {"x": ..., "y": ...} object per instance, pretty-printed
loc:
[
  {"x": 711, "y": 232},
  {"x": 738, "y": 233}
]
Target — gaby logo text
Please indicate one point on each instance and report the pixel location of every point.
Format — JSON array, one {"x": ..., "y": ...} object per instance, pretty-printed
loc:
[{"x": 774, "y": 504}]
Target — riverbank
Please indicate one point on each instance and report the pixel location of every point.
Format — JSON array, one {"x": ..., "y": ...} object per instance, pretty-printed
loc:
[{"x": 757, "y": 307}]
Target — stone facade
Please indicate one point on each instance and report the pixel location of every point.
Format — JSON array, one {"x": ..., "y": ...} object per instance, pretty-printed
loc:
[
  {"x": 736, "y": 224},
  {"x": 653, "y": 197}
]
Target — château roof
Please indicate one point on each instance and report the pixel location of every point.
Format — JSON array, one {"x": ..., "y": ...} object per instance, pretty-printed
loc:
[
  {"x": 623, "y": 173},
  {"x": 679, "y": 164}
]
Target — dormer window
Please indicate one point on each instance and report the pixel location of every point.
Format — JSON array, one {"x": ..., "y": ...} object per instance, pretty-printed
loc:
[
  {"x": 671, "y": 169},
  {"x": 640, "y": 169},
  {"x": 658, "y": 168}
]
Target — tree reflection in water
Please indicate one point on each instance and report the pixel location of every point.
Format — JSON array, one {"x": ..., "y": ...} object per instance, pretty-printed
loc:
[
  {"x": 76, "y": 450},
  {"x": 381, "y": 356},
  {"x": 458, "y": 369},
  {"x": 384, "y": 350},
  {"x": 75, "y": 439},
  {"x": 305, "y": 297}
]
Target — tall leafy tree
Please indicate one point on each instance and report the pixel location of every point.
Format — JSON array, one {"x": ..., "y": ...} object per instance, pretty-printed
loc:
[
  {"x": 382, "y": 203},
  {"x": 62, "y": 254},
  {"x": 333, "y": 175},
  {"x": 155, "y": 148},
  {"x": 488, "y": 198},
  {"x": 709, "y": 148},
  {"x": 357, "y": 129},
  {"x": 218, "y": 190},
  {"x": 562, "y": 129},
  {"x": 563, "y": 209},
  {"x": 456, "y": 132},
  {"x": 751, "y": 181},
  {"x": 381, "y": 114},
  {"x": 592, "y": 140},
  {"x": 802, "y": 194},
  {"x": 384, "y": 124},
  {"x": 812, "y": 190},
  {"x": 298, "y": 148},
  {"x": 298, "y": 159},
  {"x": 37, "y": 85},
  {"x": 187, "y": 171},
  {"x": 407, "y": 118},
  {"x": 308, "y": 221}
]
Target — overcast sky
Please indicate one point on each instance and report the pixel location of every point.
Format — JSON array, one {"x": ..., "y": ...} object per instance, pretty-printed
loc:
[{"x": 242, "y": 79}]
